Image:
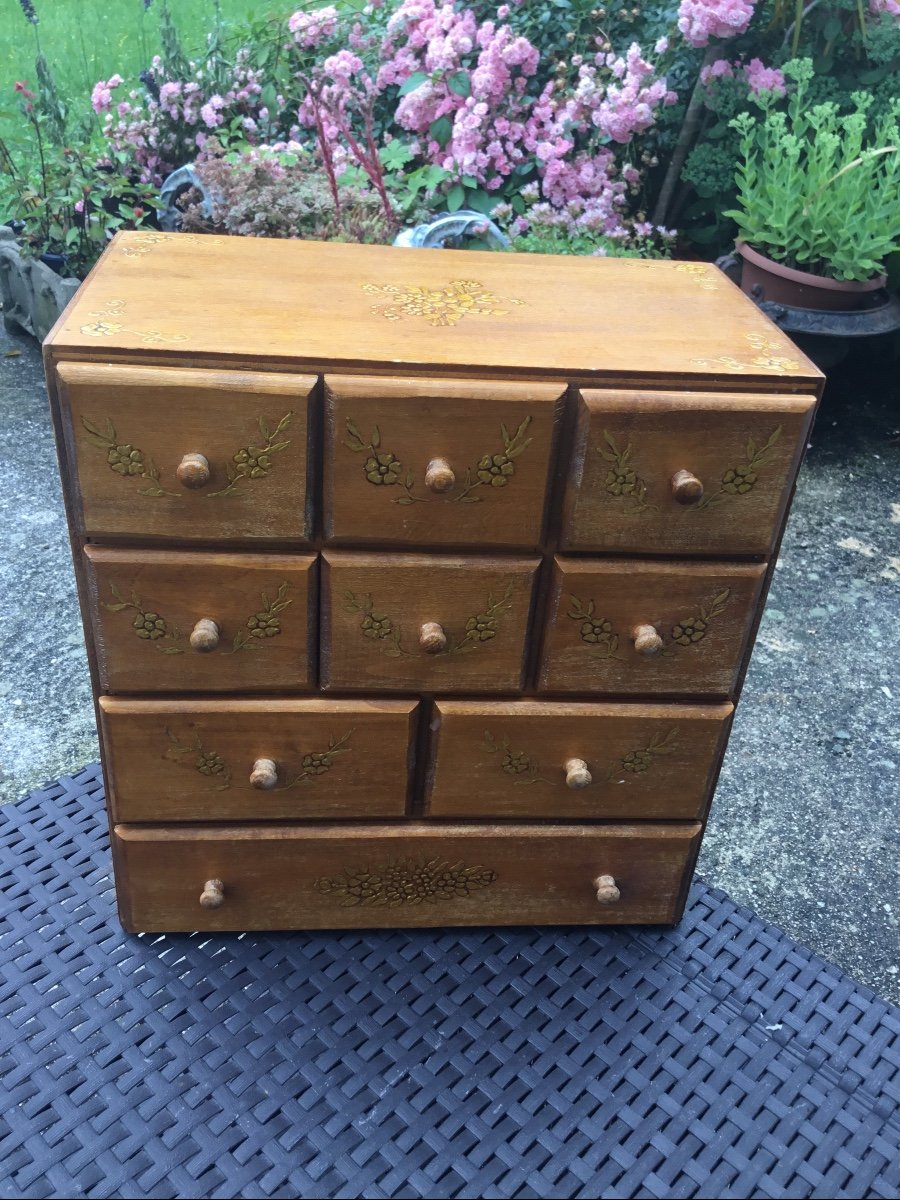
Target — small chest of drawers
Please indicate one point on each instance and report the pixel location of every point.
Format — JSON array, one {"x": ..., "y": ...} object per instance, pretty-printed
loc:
[{"x": 418, "y": 586}]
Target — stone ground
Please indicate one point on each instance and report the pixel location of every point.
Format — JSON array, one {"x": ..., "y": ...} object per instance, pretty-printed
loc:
[{"x": 806, "y": 820}]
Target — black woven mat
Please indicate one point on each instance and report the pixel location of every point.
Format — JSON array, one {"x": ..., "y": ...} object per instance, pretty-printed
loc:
[{"x": 716, "y": 1059}]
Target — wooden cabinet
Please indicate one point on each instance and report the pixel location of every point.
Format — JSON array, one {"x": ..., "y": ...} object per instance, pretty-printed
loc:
[{"x": 418, "y": 587}]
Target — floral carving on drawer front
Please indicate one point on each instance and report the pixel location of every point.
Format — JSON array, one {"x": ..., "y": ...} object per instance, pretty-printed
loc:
[
  {"x": 129, "y": 461},
  {"x": 197, "y": 757},
  {"x": 493, "y": 469},
  {"x": 596, "y": 632},
  {"x": 264, "y": 624},
  {"x": 602, "y": 639},
  {"x": 148, "y": 625},
  {"x": 124, "y": 458},
  {"x": 521, "y": 766},
  {"x": 153, "y": 627},
  {"x": 622, "y": 481},
  {"x": 525, "y": 769},
  {"x": 742, "y": 476},
  {"x": 378, "y": 626},
  {"x": 405, "y": 881},
  {"x": 439, "y": 306},
  {"x": 256, "y": 461}
]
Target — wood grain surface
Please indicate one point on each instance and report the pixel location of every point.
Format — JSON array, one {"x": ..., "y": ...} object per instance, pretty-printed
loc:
[
  {"x": 507, "y": 759},
  {"x": 745, "y": 451},
  {"x": 316, "y": 306},
  {"x": 145, "y": 603},
  {"x": 288, "y": 877},
  {"x": 129, "y": 428},
  {"x": 702, "y": 612},
  {"x": 191, "y": 760},
  {"x": 374, "y": 606},
  {"x": 496, "y": 439}
]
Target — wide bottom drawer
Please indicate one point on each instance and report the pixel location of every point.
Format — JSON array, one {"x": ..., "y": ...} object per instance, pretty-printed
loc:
[{"x": 288, "y": 877}]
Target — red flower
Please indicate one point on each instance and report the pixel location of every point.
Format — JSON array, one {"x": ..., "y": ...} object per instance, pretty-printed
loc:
[
  {"x": 21, "y": 85},
  {"x": 138, "y": 211}
]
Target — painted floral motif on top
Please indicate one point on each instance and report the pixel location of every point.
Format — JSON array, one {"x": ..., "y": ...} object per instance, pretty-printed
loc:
[
  {"x": 405, "y": 881},
  {"x": 443, "y": 306},
  {"x": 768, "y": 358},
  {"x": 493, "y": 470},
  {"x": 378, "y": 626},
  {"x": 109, "y": 320}
]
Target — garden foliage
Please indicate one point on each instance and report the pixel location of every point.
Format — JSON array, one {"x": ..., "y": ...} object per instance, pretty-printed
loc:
[{"x": 579, "y": 128}]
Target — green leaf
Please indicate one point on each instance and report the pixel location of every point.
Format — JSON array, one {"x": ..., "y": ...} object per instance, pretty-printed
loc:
[
  {"x": 415, "y": 81},
  {"x": 460, "y": 84},
  {"x": 440, "y": 130},
  {"x": 518, "y": 204},
  {"x": 455, "y": 198},
  {"x": 482, "y": 201}
]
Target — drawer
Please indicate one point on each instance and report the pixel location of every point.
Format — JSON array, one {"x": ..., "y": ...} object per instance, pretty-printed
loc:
[
  {"x": 430, "y": 462},
  {"x": 188, "y": 621},
  {"x": 291, "y": 877},
  {"x": 420, "y": 623},
  {"x": 581, "y": 761},
  {"x": 658, "y": 473},
  {"x": 250, "y": 760},
  {"x": 623, "y": 627},
  {"x": 170, "y": 453}
]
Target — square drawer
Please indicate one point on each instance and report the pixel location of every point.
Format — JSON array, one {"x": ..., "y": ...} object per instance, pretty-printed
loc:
[
  {"x": 438, "y": 461},
  {"x": 663, "y": 473},
  {"x": 195, "y": 621},
  {"x": 424, "y": 623},
  {"x": 290, "y": 877},
  {"x": 558, "y": 760},
  {"x": 252, "y": 760},
  {"x": 189, "y": 454},
  {"x": 620, "y": 627}
]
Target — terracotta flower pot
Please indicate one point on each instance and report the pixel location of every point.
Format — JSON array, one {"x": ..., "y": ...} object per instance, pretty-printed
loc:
[{"x": 801, "y": 289}]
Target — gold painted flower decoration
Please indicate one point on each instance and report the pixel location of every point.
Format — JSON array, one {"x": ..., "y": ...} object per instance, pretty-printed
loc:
[{"x": 443, "y": 306}]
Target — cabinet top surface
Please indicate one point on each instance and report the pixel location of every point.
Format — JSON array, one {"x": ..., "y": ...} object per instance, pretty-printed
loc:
[{"x": 338, "y": 306}]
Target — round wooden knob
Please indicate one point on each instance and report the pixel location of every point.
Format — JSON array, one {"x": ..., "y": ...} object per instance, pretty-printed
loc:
[
  {"x": 432, "y": 638},
  {"x": 577, "y": 774},
  {"x": 204, "y": 636},
  {"x": 439, "y": 475},
  {"x": 686, "y": 487},
  {"x": 646, "y": 640},
  {"x": 607, "y": 892},
  {"x": 264, "y": 774},
  {"x": 213, "y": 894},
  {"x": 193, "y": 471}
]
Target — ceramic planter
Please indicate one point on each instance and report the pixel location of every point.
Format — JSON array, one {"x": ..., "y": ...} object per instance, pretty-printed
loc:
[
  {"x": 33, "y": 294},
  {"x": 763, "y": 279}
]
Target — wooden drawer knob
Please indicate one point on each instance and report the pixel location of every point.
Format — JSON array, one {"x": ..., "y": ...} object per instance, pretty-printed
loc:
[
  {"x": 204, "y": 636},
  {"x": 646, "y": 640},
  {"x": 686, "y": 487},
  {"x": 264, "y": 774},
  {"x": 193, "y": 471},
  {"x": 432, "y": 638},
  {"x": 607, "y": 892},
  {"x": 213, "y": 894},
  {"x": 439, "y": 475},
  {"x": 577, "y": 774}
]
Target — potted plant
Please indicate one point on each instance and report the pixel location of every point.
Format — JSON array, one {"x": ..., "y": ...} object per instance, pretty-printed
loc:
[{"x": 818, "y": 198}]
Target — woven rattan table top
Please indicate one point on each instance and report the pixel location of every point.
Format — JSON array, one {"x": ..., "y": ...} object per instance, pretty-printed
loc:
[{"x": 715, "y": 1059}]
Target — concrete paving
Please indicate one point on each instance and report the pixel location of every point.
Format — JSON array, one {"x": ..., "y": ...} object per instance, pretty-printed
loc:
[{"x": 806, "y": 820}]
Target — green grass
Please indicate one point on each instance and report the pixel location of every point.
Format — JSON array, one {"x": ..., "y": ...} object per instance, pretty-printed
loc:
[{"x": 87, "y": 40}]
